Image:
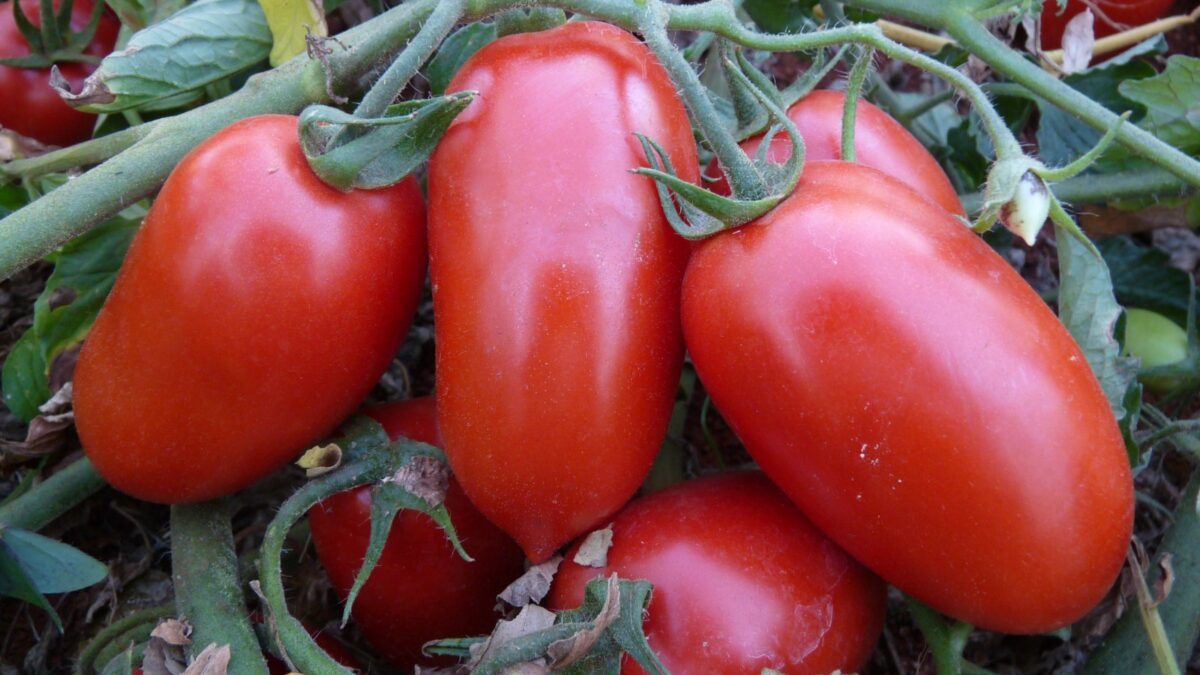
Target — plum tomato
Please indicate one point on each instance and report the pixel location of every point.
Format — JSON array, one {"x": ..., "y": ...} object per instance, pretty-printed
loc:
[
  {"x": 916, "y": 398},
  {"x": 556, "y": 278},
  {"x": 421, "y": 589},
  {"x": 742, "y": 582},
  {"x": 255, "y": 309}
]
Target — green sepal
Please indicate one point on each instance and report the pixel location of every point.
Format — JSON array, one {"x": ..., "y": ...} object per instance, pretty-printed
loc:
[
  {"x": 387, "y": 500},
  {"x": 205, "y": 42},
  {"x": 32, "y": 565},
  {"x": 454, "y": 51},
  {"x": 349, "y": 152},
  {"x": 706, "y": 213},
  {"x": 529, "y": 20}
]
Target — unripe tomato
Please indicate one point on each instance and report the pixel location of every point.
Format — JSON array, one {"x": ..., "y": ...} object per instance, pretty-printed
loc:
[
  {"x": 1118, "y": 14},
  {"x": 1153, "y": 338},
  {"x": 556, "y": 278},
  {"x": 255, "y": 309},
  {"x": 880, "y": 142},
  {"x": 742, "y": 582},
  {"x": 421, "y": 589},
  {"x": 30, "y": 105},
  {"x": 916, "y": 398}
]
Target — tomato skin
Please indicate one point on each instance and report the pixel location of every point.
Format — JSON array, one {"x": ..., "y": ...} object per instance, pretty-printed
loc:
[
  {"x": 916, "y": 399},
  {"x": 421, "y": 589},
  {"x": 880, "y": 142},
  {"x": 31, "y": 106},
  {"x": 256, "y": 308},
  {"x": 1128, "y": 12},
  {"x": 742, "y": 581},
  {"x": 556, "y": 279}
]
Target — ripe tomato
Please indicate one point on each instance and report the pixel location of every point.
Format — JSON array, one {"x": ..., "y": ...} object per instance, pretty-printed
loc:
[
  {"x": 916, "y": 399},
  {"x": 880, "y": 142},
  {"x": 421, "y": 590},
  {"x": 1118, "y": 15},
  {"x": 742, "y": 582},
  {"x": 31, "y": 107},
  {"x": 255, "y": 309},
  {"x": 556, "y": 279}
]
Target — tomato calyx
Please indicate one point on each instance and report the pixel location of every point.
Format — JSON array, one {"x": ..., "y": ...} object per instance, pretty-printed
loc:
[
  {"x": 51, "y": 39},
  {"x": 591, "y": 637},
  {"x": 706, "y": 213},
  {"x": 348, "y": 152},
  {"x": 368, "y": 458}
]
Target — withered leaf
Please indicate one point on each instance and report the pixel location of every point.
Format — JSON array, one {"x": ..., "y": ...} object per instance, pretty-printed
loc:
[
  {"x": 593, "y": 552},
  {"x": 531, "y": 586}
]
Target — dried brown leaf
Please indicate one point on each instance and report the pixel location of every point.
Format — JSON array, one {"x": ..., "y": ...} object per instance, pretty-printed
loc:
[
  {"x": 166, "y": 653},
  {"x": 1165, "y": 582},
  {"x": 213, "y": 660},
  {"x": 531, "y": 619},
  {"x": 320, "y": 459},
  {"x": 531, "y": 586},
  {"x": 47, "y": 433},
  {"x": 564, "y": 652},
  {"x": 1077, "y": 42},
  {"x": 593, "y": 552}
]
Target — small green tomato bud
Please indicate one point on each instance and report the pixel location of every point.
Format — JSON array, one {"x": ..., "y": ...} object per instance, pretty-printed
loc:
[{"x": 1027, "y": 211}]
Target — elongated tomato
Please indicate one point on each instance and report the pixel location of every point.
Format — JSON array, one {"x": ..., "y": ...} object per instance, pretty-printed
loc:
[
  {"x": 742, "y": 582},
  {"x": 255, "y": 309},
  {"x": 880, "y": 142},
  {"x": 556, "y": 279},
  {"x": 916, "y": 399}
]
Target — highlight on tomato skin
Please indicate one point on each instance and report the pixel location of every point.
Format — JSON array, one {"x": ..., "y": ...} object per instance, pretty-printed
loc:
[
  {"x": 916, "y": 399},
  {"x": 556, "y": 278},
  {"x": 742, "y": 581},
  {"x": 255, "y": 309},
  {"x": 421, "y": 589},
  {"x": 31, "y": 107},
  {"x": 880, "y": 142}
]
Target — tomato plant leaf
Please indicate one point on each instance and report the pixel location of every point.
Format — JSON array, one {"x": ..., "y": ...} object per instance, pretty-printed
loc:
[
  {"x": 1128, "y": 424},
  {"x": 455, "y": 51},
  {"x": 15, "y": 583},
  {"x": 291, "y": 21},
  {"x": 24, "y": 378},
  {"x": 203, "y": 43},
  {"x": 1172, "y": 101},
  {"x": 52, "y": 566},
  {"x": 1143, "y": 277},
  {"x": 1089, "y": 310}
]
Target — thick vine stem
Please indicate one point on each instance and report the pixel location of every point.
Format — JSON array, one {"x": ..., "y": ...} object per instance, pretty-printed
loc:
[
  {"x": 208, "y": 594},
  {"x": 84, "y": 154},
  {"x": 52, "y": 497}
]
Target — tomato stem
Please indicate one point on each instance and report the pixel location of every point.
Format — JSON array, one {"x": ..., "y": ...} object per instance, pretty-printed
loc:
[
  {"x": 858, "y": 74},
  {"x": 945, "y": 640},
  {"x": 52, "y": 497},
  {"x": 112, "y": 633},
  {"x": 208, "y": 593}
]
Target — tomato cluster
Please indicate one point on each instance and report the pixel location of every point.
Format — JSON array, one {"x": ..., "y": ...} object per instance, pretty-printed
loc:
[{"x": 890, "y": 373}]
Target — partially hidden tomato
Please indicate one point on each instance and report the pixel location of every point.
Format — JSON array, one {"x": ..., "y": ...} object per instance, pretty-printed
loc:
[
  {"x": 1117, "y": 16},
  {"x": 880, "y": 142},
  {"x": 556, "y": 278},
  {"x": 918, "y": 401},
  {"x": 742, "y": 582},
  {"x": 31, "y": 106},
  {"x": 421, "y": 589},
  {"x": 255, "y": 309}
]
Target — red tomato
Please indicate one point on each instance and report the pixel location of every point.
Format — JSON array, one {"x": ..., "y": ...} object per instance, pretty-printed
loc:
[
  {"x": 880, "y": 142},
  {"x": 742, "y": 582},
  {"x": 1118, "y": 15},
  {"x": 916, "y": 399},
  {"x": 255, "y": 309},
  {"x": 31, "y": 107},
  {"x": 556, "y": 279},
  {"x": 421, "y": 590}
]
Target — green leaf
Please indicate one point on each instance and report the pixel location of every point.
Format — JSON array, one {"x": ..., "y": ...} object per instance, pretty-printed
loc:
[
  {"x": 1129, "y": 424},
  {"x": 24, "y": 378},
  {"x": 455, "y": 51},
  {"x": 779, "y": 16},
  {"x": 52, "y": 566},
  {"x": 12, "y": 197},
  {"x": 291, "y": 22},
  {"x": 1142, "y": 277},
  {"x": 15, "y": 583},
  {"x": 1087, "y": 308},
  {"x": 203, "y": 43},
  {"x": 1172, "y": 101}
]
